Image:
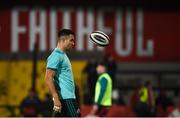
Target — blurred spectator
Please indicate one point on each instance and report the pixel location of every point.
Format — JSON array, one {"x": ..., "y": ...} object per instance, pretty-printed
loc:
[
  {"x": 163, "y": 101},
  {"x": 145, "y": 106},
  {"x": 47, "y": 106},
  {"x": 103, "y": 92},
  {"x": 121, "y": 100},
  {"x": 135, "y": 97},
  {"x": 30, "y": 106},
  {"x": 90, "y": 70},
  {"x": 151, "y": 99},
  {"x": 111, "y": 65}
]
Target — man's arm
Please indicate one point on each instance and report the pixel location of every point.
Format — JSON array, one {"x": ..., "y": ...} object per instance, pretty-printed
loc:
[
  {"x": 103, "y": 84},
  {"x": 49, "y": 79}
]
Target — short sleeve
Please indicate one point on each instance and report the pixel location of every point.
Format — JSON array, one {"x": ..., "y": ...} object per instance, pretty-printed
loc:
[{"x": 54, "y": 60}]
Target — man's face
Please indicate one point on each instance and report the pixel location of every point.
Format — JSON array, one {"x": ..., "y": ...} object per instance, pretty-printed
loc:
[
  {"x": 69, "y": 43},
  {"x": 100, "y": 69}
]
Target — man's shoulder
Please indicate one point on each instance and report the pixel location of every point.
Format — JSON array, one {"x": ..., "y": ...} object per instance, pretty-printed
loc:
[{"x": 55, "y": 53}]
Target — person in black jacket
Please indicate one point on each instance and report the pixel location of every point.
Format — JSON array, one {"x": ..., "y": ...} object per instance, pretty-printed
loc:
[{"x": 30, "y": 106}]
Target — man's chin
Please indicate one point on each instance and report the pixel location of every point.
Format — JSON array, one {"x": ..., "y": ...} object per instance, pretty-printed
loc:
[{"x": 70, "y": 49}]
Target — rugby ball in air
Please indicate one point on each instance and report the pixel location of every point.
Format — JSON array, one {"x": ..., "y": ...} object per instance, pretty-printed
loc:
[{"x": 100, "y": 38}]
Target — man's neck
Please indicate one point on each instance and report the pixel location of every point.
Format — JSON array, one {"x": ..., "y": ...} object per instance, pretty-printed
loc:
[
  {"x": 60, "y": 46},
  {"x": 102, "y": 73}
]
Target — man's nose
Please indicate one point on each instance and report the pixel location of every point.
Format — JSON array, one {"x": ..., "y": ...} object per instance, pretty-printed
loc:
[{"x": 73, "y": 43}]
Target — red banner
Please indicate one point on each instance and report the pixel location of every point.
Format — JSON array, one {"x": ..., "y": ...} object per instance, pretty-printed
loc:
[{"x": 136, "y": 35}]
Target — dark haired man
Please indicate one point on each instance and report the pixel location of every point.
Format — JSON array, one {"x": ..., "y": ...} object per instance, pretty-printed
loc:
[{"x": 59, "y": 76}]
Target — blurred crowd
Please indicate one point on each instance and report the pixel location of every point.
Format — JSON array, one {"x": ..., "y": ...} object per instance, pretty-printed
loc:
[
  {"x": 143, "y": 101},
  {"x": 33, "y": 106}
]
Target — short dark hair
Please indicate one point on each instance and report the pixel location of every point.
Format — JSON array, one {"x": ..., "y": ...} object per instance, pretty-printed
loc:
[
  {"x": 102, "y": 63},
  {"x": 65, "y": 32}
]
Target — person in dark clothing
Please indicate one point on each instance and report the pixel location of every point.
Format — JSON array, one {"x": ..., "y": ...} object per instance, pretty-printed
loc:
[
  {"x": 134, "y": 100},
  {"x": 111, "y": 65},
  {"x": 30, "y": 106},
  {"x": 142, "y": 100},
  {"x": 47, "y": 106},
  {"x": 163, "y": 100},
  {"x": 90, "y": 70}
]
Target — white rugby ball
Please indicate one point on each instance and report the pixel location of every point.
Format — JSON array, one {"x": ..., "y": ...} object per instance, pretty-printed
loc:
[{"x": 100, "y": 38}]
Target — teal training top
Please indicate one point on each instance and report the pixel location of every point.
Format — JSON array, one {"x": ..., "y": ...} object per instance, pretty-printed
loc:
[
  {"x": 103, "y": 84},
  {"x": 63, "y": 78}
]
